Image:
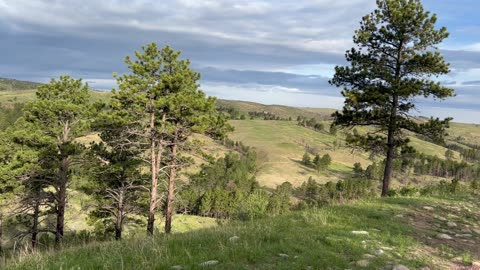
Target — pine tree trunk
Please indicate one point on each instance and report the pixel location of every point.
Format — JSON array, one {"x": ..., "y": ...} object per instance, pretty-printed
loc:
[
  {"x": 62, "y": 199},
  {"x": 388, "y": 165},
  {"x": 62, "y": 184},
  {"x": 171, "y": 188},
  {"x": 387, "y": 175},
  {"x": 119, "y": 223},
  {"x": 36, "y": 214},
  {"x": 153, "y": 188},
  {"x": 1, "y": 234}
]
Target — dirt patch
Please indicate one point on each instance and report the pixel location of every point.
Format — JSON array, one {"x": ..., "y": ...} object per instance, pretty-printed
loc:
[{"x": 459, "y": 221}]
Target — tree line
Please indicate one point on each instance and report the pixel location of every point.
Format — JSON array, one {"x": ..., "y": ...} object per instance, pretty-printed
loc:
[{"x": 144, "y": 135}]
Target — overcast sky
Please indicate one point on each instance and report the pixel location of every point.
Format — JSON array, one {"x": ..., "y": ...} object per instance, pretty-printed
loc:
[{"x": 270, "y": 51}]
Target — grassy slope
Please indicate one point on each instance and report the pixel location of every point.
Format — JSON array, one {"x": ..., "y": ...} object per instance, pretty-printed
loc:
[
  {"x": 280, "y": 146},
  {"x": 312, "y": 239}
]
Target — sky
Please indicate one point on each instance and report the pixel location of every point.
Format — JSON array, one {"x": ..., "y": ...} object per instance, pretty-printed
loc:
[{"x": 267, "y": 51}]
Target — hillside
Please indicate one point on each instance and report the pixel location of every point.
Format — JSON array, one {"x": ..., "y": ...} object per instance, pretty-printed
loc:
[
  {"x": 377, "y": 234},
  {"x": 13, "y": 85},
  {"x": 281, "y": 144}
]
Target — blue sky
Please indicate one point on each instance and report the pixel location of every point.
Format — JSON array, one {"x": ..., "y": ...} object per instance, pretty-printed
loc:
[{"x": 269, "y": 51}]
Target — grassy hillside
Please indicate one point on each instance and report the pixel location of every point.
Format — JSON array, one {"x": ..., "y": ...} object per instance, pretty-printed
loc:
[
  {"x": 280, "y": 146},
  {"x": 279, "y": 110},
  {"x": 377, "y": 234},
  {"x": 14, "y": 85}
]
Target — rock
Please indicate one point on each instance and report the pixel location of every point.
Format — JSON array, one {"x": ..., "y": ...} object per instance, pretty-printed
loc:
[
  {"x": 465, "y": 235},
  {"x": 440, "y": 218},
  {"x": 360, "y": 232},
  {"x": 283, "y": 255},
  {"x": 386, "y": 248},
  {"x": 451, "y": 224},
  {"x": 400, "y": 267},
  {"x": 457, "y": 260},
  {"x": 444, "y": 236},
  {"x": 477, "y": 231},
  {"x": 368, "y": 256},
  {"x": 233, "y": 239},
  {"x": 176, "y": 267},
  {"x": 399, "y": 216},
  {"x": 429, "y": 208},
  {"x": 476, "y": 264},
  {"x": 209, "y": 263},
  {"x": 379, "y": 252},
  {"x": 466, "y": 230},
  {"x": 362, "y": 263},
  {"x": 424, "y": 268}
]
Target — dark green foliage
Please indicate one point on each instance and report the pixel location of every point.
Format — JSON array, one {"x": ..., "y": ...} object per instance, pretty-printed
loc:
[
  {"x": 310, "y": 123},
  {"x": 316, "y": 194},
  {"x": 280, "y": 200},
  {"x": 395, "y": 58},
  {"x": 58, "y": 116},
  {"x": 8, "y": 115},
  {"x": 358, "y": 171},
  {"x": 219, "y": 186},
  {"x": 322, "y": 163},
  {"x": 116, "y": 183},
  {"x": 306, "y": 159}
]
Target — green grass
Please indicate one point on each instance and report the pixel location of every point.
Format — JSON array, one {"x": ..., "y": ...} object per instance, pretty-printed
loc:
[
  {"x": 316, "y": 238},
  {"x": 280, "y": 146}
]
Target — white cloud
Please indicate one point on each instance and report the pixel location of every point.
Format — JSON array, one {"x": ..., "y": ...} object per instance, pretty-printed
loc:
[{"x": 270, "y": 94}]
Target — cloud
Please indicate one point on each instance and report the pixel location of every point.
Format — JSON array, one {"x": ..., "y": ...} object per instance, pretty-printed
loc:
[{"x": 271, "y": 51}]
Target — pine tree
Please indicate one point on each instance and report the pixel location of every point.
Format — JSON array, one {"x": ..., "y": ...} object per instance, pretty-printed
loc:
[
  {"x": 60, "y": 114},
  {"x": 395, "y": 58},
  {"x": 159, "y": 105},
  {"x": 306, "y": 160}
]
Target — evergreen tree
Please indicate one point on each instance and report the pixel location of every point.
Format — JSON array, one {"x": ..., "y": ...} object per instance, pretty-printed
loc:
[
  {"x": 60, "y": 114},
  {"x": 395, "y": 57},
  {"x": 317, "y": 163},
  {"x": 306, "y": 160}
]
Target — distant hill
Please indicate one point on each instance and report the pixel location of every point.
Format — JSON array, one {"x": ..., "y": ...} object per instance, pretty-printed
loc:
[
  {"x": 14, "y": 85},
  {"x": 279, "y": 110}
]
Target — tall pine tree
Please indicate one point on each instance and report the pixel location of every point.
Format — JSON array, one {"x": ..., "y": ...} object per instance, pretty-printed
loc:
[{"x": 392, "y": 64}]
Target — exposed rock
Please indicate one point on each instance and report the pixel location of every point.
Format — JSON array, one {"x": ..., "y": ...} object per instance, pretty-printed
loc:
[
  {"x": 466, "y": 230},
  {"x": 429, "y": 208},
  {"x": 400, "y": 267},
  {"x": 444, "y": 236},
  {"x": 360, "y": 232},
  {"x": 424, "y": 268},
  {"x": 399, "y": 216},
  {"x": 457, "y": 260},
  {"x": 368, "y": 256},
  {"x": 465, "y": 235},
  {"x": 379, "y": 252},
  {"x": 209, "y": 263},
  {"x": 451, "y": 224},
  {"x": 234, "y": 239},
  {"x": 283, "y": 255},
  {"x": 362, "y": 263},
  {"x": 477, "y": 231},
  {"x": 387, "y": 248}
]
